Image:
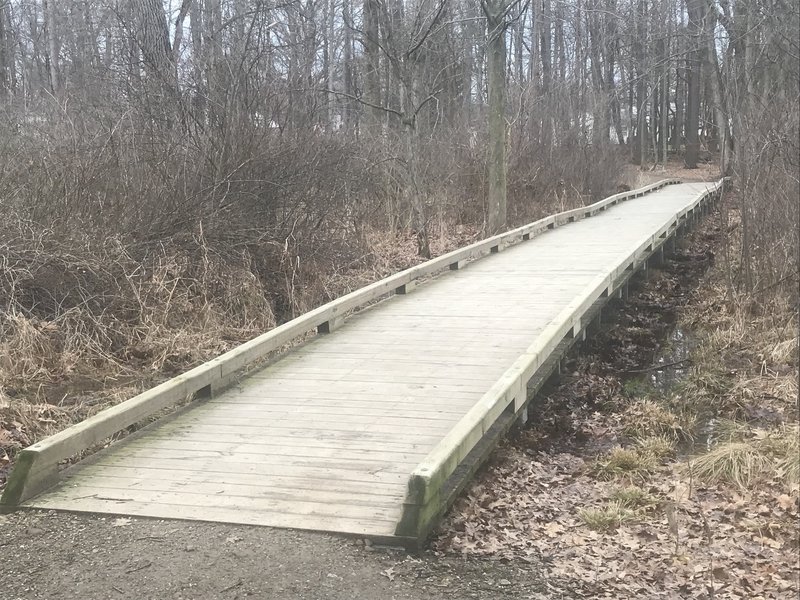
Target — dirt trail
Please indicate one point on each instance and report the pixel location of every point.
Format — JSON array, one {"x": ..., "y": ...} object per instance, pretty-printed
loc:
[{"x": 60, "y": 556}]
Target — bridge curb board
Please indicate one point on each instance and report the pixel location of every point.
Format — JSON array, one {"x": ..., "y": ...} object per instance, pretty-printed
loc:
[{"x": 38, "y": 467}]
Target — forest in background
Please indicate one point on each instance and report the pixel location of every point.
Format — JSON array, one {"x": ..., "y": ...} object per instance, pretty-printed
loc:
[{"x": 178, "y": 177}]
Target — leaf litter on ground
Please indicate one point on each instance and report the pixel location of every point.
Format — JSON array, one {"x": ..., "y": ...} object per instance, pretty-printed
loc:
[{"x": 684, "y": 537}]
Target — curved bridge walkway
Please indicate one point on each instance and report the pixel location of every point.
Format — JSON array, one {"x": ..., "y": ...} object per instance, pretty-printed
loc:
[{"x": 361, "y": 429}]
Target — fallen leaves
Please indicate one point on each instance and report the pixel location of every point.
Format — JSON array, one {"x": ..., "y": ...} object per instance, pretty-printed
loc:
[{"x": 689, "y": 538}]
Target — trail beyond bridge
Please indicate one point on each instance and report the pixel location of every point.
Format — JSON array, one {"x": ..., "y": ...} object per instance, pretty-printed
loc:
[{"x": 372, "y": 425}]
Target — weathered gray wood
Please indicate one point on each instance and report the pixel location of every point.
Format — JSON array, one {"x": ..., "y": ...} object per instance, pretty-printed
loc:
[{"x": 401, "y": 388}]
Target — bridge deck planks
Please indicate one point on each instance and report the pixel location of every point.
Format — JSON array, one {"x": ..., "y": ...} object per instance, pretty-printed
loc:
[{"x": 325, "y": 438}]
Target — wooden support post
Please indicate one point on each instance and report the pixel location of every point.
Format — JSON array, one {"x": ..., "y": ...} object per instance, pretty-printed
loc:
[
  {"x": 459, "y": 264},
  {"x": 520, "y": 395},
  {"x": 406, "y": 288},
  {"x": 657, "y": 259},
  {"x": 595, "y": 324},
  {"x": 330, "y": 325},
  {"x": 574, "y": 331}
]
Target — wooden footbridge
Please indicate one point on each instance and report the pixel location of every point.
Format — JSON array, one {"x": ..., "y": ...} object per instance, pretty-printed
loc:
[{"x": 378, "y": 412}]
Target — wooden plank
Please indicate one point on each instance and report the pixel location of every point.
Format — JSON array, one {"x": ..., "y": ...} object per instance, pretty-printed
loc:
[
  {"x": 301, "y": 432},
  {"x": 272, "y": 481},
  {"x": 209, "y": 448},
  {"x": 257, "y": 469},
  {"x": 439, "y": 402},
  {"x": 212, "y": 501},
  {"x": 366, "y": 443},
  {"x": 316, "y": 410},
  {"x": 374, "y": 527},
  {"x": 342, "y": 405},
  {"x": 268, "y": 383},
  {"x": 334, "y": 360},
  {"x": 356, "y": 425},
  {"x": 388, "y": 499},
  {"x": 354, "y": 368}
]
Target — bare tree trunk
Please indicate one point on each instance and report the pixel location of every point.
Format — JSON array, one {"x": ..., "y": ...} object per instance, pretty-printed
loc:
[
  {"x": 496, "y": 48},
  {"x": 519, "y": 29},
  {"x": 563, "y": 99},
  {"x": 664, "y": 111},
  {"x": 51, "y": 32},
  {"x": 600, "y": 128},
  {"x": 694, "y": 63},
  {"x": 178, "y": 38},
  {"x": 715, "y": 79},
  {"x": 612, "y": 43},
  {"x": 419, "y": 214},
  {"x": 640, "y": 57},
  {"x": 372, "y": 74},
  {"x": 198, "y": 51},
  {"x": 680, "y": 98},
  {"x": 469, "y": 70},
  {"x": 350, "y": 115},
  {"x": 152, "y": 36},
  {"x": 547, "y": 74},
  {"x": 5, "y": 52},
  {"x": 329, "y": 48},
  {"x": 534, "y": 62}
]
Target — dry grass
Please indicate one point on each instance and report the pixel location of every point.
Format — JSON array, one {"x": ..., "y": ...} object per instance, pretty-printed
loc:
[
  {"x": 629, "y": 463},
  {"x": 634, "y": 498},
  {"x": 747, "y": 369},
  {"x": 658, "y": 446},
  {"x": 608, "y": 516},
  {"x": 762, "y": 455},
  {"x": 650, "y": 418},
  {"x": 738, "y": 463}
]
